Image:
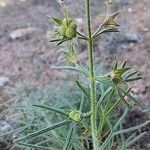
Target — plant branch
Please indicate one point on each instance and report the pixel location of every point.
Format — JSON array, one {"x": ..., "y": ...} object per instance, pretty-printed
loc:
[{"x": 92, "y": 81}]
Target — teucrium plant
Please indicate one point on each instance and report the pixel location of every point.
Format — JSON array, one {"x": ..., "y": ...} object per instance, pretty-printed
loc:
[{"x": 115, "y": 90}]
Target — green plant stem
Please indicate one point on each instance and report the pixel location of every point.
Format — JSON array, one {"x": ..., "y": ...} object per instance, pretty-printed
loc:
[{"x": 92, "y": 81}]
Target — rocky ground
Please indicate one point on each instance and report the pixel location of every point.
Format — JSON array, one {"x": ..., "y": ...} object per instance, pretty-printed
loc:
[{"x": 26, "y": 55}]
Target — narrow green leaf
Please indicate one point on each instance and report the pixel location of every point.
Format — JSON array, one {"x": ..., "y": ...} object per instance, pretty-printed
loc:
[
  {"x": 133, "y": 128},
  {"x": 112, "y": 108},
  {"x": 55, "y": 40},
  {"x": 109, "y": 99},
  {"x": 132, "y": 98},
  {"x": 123, "y": 100},
  {"x": 132, "y": 79},
  {"x": 110, "y": 136},
  {"x": 81, "y": 35},
  {"x": 13, "y": 131},
  {"x": 68, "y": 139},
  {"x": 116, "y": 65},
  {"x": 83, "y": 89},
  {"x": 130, "y": 138},
  {"x": 52, "y": 109},
  {"x": 121, "y": 119},
  {"x": 106, "y": 31},
  {"x": 115, "y": 105},
  {"x": 34, "y": 146},
  {"x": 104, "y": 96},
  {"x": 82, "y": 103},
  {"x": 104, "y": 80},
  {"x": 131, "y": 142},
  {"x": 131, "y": 74},
  {"x": 58, "y": 21},
  {"x": 69, "y": 68},
  {"x": 62, "y": 41},
  {"x": 107, "y": 141},
  {"x": 32, "y": 135},
  {"x": 124, "y": 64}
]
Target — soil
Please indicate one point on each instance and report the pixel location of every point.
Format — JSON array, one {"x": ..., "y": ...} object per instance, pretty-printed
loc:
[{"x": 28, "y": 59}]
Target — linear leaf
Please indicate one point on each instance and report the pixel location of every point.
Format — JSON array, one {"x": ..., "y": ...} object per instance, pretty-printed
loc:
[
  {"x": 112, "y": 108},
  {"x": 34, "y": 146},
  {"x": 131, "y": 74},
  {"x": 52, "y": 109},
  {"x": 68, "y": 139},
  {"x": 110, "y": 136},
  {"x": 62, "y": 41},
  {"x": 83, "y": 89},
  {"x": 123, "y": 100},
  {"x": 32, "y": 135},
  {"x": 132, "y": 79},
  {"x": 55, "y": 40},
  {"x": 104, "y": 80},
  {"x": 121, "y": 119},
  {"x": 133, "y": 128},
  {"x": 130, "y": 138},
  {"x": 106, "y": 31},
  {"x": 135, "y": 139},
  {"x": 58, "y": 21},
  {"x": 115, "y": 105},
  {"x": 68, "y": 68},
  {"x": 124, "y": 64},
  {"x": 116, "y": 65},
  {"x": 13, "y": 131},
  {"x": 132, "y": 98},
  {"x": 107, "y": 95}
]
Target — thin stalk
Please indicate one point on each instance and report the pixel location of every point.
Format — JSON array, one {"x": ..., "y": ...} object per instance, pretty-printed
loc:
[{"x": 92, "y": 82}]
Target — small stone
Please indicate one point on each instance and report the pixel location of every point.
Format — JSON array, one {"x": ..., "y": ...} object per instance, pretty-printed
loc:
[
  {"x": 123, "y": 46},
  {"x": 132, "y": 37},
  {"x": 20, "y": 33},
  {"x": 3, "y": 80},
  {"x": 129, "y": 9},
  {"x": 80, "y": 24},
  {"x": 146, "y": 29},
  {"x": 5, "y": 126},
  {"x": 79, "y": 21}
]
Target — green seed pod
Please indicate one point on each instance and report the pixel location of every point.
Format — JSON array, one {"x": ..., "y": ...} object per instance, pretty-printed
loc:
[
  {"x": 62, "y": 30},
  {"x": 73, "y": 25},
  {"x": 116, "y": 78},
  {"x": 72, "y": 114},
  {"x": 70, "y": 32},
  {"x": 75, "y": 115},
  {"x": 67, "y": 21}
]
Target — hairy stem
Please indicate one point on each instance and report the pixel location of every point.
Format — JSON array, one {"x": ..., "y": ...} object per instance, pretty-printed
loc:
[{"x": 92, "y": 82}]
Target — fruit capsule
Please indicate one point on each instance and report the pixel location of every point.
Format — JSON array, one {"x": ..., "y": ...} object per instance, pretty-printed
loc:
[
  {"x": 70, "y": 32},
  {"x": 73, "y": 25},
  {"x": 67, "y": 22},
  {"x": 62, "y": 30}
]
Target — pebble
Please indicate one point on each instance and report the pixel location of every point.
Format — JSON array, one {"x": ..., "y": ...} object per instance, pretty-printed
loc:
[
  {"x": 20, "y": 33},
  {"x": 5, "y": 126},
  {"x": 131, "y": 37},
  {"x": 3, "y": 80}
]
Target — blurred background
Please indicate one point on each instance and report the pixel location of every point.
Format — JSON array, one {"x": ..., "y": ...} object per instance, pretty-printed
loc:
[{"x": 26, "y": 56}]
